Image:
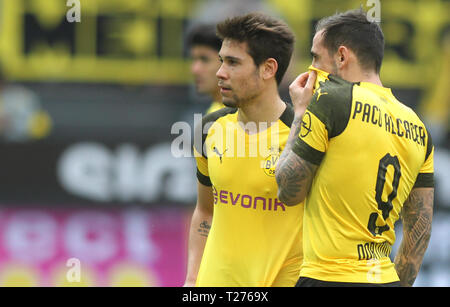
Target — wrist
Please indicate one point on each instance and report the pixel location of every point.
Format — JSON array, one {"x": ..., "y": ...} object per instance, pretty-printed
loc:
[{"x": 299, "y": 111}]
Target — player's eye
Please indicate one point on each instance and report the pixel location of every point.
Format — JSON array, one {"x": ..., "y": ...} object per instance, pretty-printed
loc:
[{"x": 204, "y": 59}]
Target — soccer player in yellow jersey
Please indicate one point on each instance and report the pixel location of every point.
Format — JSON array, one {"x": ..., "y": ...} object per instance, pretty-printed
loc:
[
  {"x": 241, "y": 234},
  {"x": 204, "y": 46},
  {"x": 361, "y": 158}
]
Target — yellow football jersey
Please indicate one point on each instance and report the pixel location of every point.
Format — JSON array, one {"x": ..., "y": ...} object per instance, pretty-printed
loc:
[
  {"x": 254, "y": 240},
  {"x": 371, "y": 151},
  {"x": 215, "y": 106}
]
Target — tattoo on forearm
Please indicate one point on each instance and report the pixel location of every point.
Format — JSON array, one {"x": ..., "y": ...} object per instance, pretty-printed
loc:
[
  {"x": 417, "y": 216},
  {"x": 204, "y": 228}
]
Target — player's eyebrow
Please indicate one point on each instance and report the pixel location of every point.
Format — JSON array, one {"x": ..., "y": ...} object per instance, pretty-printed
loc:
[
  {"x": 230, "y": 58},
  {"x": 314, "y": 55}
]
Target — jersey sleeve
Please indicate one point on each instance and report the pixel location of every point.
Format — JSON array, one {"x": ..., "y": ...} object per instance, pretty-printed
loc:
[
  {"x": 326, "y": 117},
  {"x": 200, "y": 157},
  {"x": 199, "y": 150},
  {"x": 312, "y": 141},
  {"x": 202, "y": 169},
  {"x": 425, "y": 178}
]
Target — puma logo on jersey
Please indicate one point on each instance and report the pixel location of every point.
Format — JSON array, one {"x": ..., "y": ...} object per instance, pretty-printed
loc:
[
  {"x": 320, "y": 93},
  {"x": 219, "y": 154}
]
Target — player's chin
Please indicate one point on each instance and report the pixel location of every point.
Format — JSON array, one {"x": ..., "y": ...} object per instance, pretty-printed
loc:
[{"x": 228, "y": 102}]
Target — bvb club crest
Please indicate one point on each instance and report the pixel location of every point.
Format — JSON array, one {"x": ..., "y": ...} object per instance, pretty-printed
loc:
[{"x": 270, "y": 162}]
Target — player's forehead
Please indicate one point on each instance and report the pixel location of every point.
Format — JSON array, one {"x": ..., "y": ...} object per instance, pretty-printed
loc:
[
  {"x": 317, "y": 43},
  {"x": 235, "y": 49}
]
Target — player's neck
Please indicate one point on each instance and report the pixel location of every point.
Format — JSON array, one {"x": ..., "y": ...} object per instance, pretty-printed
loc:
[
  {"x": 358, "y": 75},
  {"x": 265, "y": 108}
]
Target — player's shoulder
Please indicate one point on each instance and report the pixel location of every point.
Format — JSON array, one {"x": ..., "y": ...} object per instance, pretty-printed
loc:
[
  {"x": 213, "y": 117},
  {"x": 331, "y": 103},
  {"x": 215, "y": 106},
  {"x": 288, "y": 116},
  {"x": 208, "y": 120},
  {"x": 408, "y": 113}
]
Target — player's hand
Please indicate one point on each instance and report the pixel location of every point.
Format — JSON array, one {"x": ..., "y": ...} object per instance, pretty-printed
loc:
[{"x": 301, "y": 91}]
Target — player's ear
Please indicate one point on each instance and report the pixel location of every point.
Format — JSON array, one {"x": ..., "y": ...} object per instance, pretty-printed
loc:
[
  {"x": 269, "y": 68},
  {"x": 342, "y": 56}
]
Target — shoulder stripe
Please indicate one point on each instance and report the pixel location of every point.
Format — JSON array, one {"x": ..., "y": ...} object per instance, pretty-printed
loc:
[
  {"x": 331, "y": 104},
  {"x": 288, "y": 116},
  {"x": 209, "y": 119}
]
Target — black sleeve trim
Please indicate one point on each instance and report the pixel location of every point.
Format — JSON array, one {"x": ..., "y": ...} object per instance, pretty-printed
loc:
[
  {"x": 203, "y": 179},
  {"x": 307, "y": 153},
  {"x": 429, "y": 146},
  {"x": 424, "y": 180},
  {"x": 288, "y": 116}
]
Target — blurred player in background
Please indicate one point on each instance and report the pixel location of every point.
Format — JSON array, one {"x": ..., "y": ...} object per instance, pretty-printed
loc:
[
  {"x": 241, "y": 234},
  {"x": 361, "y": 157},
  {"x": 204, "y": 46}
]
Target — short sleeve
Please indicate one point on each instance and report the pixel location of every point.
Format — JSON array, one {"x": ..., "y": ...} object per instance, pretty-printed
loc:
[
  {"x": 202, "y": 169},
  {"x": 312, "y": 141},
  {"x": 425, "y": 178},
  {"x": 199, "y": 152},
  {"x": 326, "y": 117}
]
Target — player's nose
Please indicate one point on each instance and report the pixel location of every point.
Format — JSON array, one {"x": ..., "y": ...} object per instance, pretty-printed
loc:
[
  {"x": 195, "y": 67},
  {"x": 221, "y": 73}
]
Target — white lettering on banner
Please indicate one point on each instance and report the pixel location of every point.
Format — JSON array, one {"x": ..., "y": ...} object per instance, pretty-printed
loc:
[
  {"x": 90, "y": 236},
  {"x": 94, "y": 172},
  {"x": 91, "y": 247},
  {"x": 30, "y": 236},
  {"x": 127, "y": 166},
  {"x": 165, "y": 176},
  {"x": 84, "y": 170},
  {"x": 140, "y": 247}
]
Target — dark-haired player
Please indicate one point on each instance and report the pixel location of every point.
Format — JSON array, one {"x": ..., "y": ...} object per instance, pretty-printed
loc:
[
  {"x": 204, "y": 46},
  {"x": 361, "y": 158},
  {"x": 241, "y": 234}
]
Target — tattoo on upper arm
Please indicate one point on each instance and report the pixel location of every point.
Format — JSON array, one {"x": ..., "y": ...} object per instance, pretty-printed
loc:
[
  {"x": 416, "y": 216},
  {"x": 204, "y": 228},
  {"x": 294, "y": 178},
  {"x": 293, "y": 174}
]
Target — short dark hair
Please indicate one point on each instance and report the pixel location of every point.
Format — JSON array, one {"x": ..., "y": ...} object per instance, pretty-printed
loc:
[
  {"x": 354, "y": 30},
  {"x": 266, "y": 37},
  {"x": 204, "y": 35}
]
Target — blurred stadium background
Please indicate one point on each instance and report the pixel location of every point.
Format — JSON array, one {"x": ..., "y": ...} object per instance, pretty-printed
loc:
[{"x": 86, "y": 110}]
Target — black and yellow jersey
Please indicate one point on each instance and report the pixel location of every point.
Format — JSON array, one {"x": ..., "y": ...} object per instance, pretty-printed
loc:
[
  {"x": 215, "y": 106},
  {"x": 371, "y": 151},
  {"x": 254, "y": 240}
]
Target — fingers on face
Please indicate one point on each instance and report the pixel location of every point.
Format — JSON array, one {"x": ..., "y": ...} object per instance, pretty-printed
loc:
[{"x": 311, "y": 80}]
